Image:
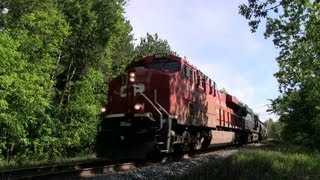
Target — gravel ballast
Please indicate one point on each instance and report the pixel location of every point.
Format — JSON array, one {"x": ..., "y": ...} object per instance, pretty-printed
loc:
[{"x": 168, "y": 170}]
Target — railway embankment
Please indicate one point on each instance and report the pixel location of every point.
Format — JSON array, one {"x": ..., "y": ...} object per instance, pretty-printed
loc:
[
  {"x": 170, "y": 169},
  {"x": 275, "y": 160},
  {"x": 269, "y": 160}
]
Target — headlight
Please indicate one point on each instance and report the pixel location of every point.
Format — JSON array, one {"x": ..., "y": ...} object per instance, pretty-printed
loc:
[
  {"x": 132, "y": 74},
  {"x": 131, "y": 79},
  {"x": 103, "y": 109},
  {"x": 137, "y": 106}
]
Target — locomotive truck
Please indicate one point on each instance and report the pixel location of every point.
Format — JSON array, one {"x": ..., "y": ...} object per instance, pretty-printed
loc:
[{"x": 164, "y": 104}]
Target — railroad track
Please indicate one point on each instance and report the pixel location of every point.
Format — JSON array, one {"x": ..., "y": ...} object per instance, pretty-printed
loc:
[
  {"x": 83, "y": 170},
  {"x": 78, "y": 170},
  {"x": 97, "y": 167}
]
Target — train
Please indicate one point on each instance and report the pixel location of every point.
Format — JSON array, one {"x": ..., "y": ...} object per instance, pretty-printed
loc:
[{"x": 163, "y": 104}]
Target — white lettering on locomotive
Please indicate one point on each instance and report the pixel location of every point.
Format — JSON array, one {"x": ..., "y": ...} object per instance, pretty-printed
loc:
[
  {"x": 123, "y": 91},
  {"x": 137, "y": 88}
]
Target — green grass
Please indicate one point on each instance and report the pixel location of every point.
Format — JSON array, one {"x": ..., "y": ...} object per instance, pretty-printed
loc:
[
  {"x": 273, "y": 161},
  {"x": 58, "y": 161}
]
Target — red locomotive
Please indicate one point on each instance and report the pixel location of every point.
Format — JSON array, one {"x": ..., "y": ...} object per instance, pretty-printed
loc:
[{"x": 163, "y": 104}]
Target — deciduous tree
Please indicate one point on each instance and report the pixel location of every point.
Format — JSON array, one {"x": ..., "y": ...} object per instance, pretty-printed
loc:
[
  {"x": 152, "y": 44},
  {"x": 56, "y": 58},
  {"x": 294, "y": 28}
]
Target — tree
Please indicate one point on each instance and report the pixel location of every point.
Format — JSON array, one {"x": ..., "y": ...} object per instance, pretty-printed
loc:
[
  {"x": 152, "y": 44},
  {"x": 274, "y": 128},
  {"x": 12, "y": 130},
  {"x": 122, "y": 49},
  {"x": 35, "y": 38},
  {"x": 293, "y": 26},
  {"x": 55, "y": 60},
  {"x": 98, "y": 46}
]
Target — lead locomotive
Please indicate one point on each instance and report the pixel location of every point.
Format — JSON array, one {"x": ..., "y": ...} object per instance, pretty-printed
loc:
[{"x": 163, "y": 104}]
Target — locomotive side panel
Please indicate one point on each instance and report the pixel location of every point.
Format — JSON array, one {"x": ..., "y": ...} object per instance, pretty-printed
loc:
[
  {"x": 188, "y": 102},
  {"x": 194, "y": 99}
]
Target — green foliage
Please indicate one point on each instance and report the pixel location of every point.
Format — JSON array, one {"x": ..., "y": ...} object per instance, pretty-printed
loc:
[
  {"x": 28, "y": 86},
  {"x": 293, "y": 25},
  {"x": 11, "y": 130},
  {"x": 80, "y": 116},
  {"x": 274, "y": 129},
  {"x": 269, "y": 162},
  {"x": 55, "y": 58},
  {"x": 98, "y": 29},
  {"x": 98, "y": 46},
  {"x": 123, "y": 51},
  {"x": 152, "y": 44}
]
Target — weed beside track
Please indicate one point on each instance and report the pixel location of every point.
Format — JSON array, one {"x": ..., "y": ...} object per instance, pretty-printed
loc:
[{"x": 275, "y": 160}]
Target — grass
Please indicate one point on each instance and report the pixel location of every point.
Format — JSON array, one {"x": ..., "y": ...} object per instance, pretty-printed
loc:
[
  {"x": 273, "y": 161},
  {"x": 30, "y": 164}
]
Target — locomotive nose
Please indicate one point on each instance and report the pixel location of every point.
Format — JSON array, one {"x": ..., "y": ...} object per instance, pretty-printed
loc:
[{"x": 135, "y": 87}]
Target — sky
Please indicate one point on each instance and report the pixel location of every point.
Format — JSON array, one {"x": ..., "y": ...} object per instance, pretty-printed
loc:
[{"x": 217, "y": 40}]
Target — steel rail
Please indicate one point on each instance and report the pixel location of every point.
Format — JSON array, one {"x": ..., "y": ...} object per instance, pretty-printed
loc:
[{"x": 76, "y": 170}]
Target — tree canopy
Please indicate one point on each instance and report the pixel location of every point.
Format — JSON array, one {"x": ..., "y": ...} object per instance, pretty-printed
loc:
[
  {"x": 294, "y": 29},
  {"x": 56, "y": 58},
  {"x": 152, "y": 44}
]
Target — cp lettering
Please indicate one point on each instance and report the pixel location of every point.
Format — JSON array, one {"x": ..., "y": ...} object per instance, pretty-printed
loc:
[{"x": 137, "y": 88}]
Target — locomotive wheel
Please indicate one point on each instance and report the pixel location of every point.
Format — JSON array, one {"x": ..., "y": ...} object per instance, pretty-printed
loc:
[
  {"x": 203, "y": 140},
  {"x": 199, "y": 144},
  {"x": 186, "y": 141}
]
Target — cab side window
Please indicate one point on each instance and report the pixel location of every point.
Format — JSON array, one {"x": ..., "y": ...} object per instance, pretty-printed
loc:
[
  {"x": 191, "y": 74},
  {"x": 210, "y": 86},
  {"x": 214, "y": 89},
  {"x": 198, "y": 79},
  {"x": 204, "y": 84},
  {"x": 187, "y": 73}
]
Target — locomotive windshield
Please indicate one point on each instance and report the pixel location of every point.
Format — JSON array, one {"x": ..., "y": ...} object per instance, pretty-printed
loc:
[{"x": 164, "y": 65}]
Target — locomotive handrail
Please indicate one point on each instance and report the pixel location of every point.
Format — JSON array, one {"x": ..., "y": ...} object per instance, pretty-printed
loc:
[
  {"x": 169, "y": 121},
  {"x": 153, "y": 107},
  {"x": 155, "y": 100}
]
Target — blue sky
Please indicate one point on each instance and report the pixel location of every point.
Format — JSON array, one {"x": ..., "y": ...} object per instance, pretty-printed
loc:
[{"x": 216, "y": 39}]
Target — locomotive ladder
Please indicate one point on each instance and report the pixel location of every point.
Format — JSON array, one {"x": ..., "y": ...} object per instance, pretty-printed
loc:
[
  {"x": 169, "y": 123},
  {"x": 159, "y": 108}
]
